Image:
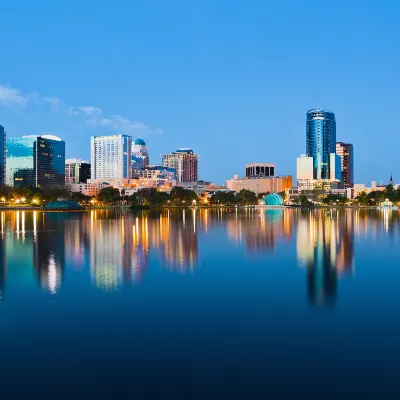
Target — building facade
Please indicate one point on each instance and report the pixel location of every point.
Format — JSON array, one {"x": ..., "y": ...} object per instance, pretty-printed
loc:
[
  {"x": 335, "y": 168},
  {"x": 2, "y": 156},
  {"x": 88, "y": 189},
  {"x": 305, "y": 167},
  {"x": 77, "y": 171},
  {"x": 184, "y": 162},
  {"x": 259, "y": 170},
  {"x": 111, "y": 157},
  {"x": 346, "y": 153},
  {"x": 36, "y": 161},
  {"x": 275, "y": 184},
  {"x": 321, "y": 141},
  {"x": 140, "y": 153}
]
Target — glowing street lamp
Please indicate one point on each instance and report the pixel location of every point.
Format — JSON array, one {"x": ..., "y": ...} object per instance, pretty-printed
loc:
[
  {"x": 3, "y": 199},
  {"x": 194, "y": 202},
  {"x": 23, "y": 199}
]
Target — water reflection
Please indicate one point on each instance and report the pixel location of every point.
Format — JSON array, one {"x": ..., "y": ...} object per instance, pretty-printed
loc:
[{"x": 117, "y": 248}]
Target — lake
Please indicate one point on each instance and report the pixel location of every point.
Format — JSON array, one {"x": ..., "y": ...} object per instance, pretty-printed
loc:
[{"x": 200, "y": 303}]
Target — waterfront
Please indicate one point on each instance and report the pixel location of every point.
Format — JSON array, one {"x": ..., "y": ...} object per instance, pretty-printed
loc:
[{"x": 200, "y": 303}]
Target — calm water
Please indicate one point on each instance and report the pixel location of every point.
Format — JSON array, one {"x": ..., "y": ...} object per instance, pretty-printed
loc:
[{"x": 200, "y": 304}]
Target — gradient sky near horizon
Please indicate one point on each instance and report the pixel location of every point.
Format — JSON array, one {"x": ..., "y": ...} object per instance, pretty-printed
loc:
[{"x": 232, "y": 80}]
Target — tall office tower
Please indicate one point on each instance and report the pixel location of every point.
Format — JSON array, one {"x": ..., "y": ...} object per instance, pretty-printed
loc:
[
  {"x": 111, "y": 157},
  {"x": 2, "y": 156},
  {"x": 76, "y": 171},
  {"x": 346, "y": 153},
  {"x": 185, "y": 162},
  {"x": 36, "y": 161},
  {"x": 321, "y": 141}
]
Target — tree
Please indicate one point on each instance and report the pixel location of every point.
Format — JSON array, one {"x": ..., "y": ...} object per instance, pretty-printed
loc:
[
  {"x": 109, "y": 195},
  {"x": 362, "y": 199},
  {"x": 180, "y": 195},
  {"x": 301, "y": 200},
  {"x": 223, "y": 198},
  {"x": 333, "y": 198},
  {"x": 80, "y": 197},
  {"x": 150, "y": 197},
  {"x": 262, "y": 195},
  {"x": 246, "y": 197}
]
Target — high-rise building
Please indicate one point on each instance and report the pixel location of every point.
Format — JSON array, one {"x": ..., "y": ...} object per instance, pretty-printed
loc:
[
  {"x": 140, "y": 157},
  {"x": 346, "y": 152},
  {"x": 321, "y": 141},
  {"x": 185, "y": 163},
  {"x": 335, "y": 169},
  {"x": 37, "y": 161},
  {"x": 305, "y": 167},
  {"x": 2, "y": 156},
  {"x": 76, "y": 171},
  {"x": 111, "y": 157}
]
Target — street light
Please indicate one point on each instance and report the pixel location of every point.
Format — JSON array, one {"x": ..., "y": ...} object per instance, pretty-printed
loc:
[
  {"x": 3, "y": 199},
  {"x": 23, "y": 199},
  {"x": 194, "y": 202}
]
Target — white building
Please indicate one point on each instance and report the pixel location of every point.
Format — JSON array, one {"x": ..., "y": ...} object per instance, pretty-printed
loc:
[
  {"x": 111, "y": 157},
  {"x": 88, "y": 189},
  {"x": 304, "y": 167}
]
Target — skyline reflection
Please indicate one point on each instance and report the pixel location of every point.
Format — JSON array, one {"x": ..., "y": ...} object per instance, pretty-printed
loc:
[{"x": 119, "y": 248}]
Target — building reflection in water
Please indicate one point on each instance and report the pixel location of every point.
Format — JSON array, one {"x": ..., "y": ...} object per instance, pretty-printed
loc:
[
  {"x": 117, "y": 245},
  {"x": 258, "y": 229},
  {"x": 325, "y": 245},
  {"x": 121, "y": 244},
  {"x": 49, "y": 249}
]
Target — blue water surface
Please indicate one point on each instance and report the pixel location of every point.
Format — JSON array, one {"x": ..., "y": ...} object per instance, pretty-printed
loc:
[{"x": 200, "y": 303}]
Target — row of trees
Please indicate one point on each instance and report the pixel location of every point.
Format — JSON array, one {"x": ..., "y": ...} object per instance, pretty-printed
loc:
[
  {"x": 364, "y": 199},
  {"x": 372, "y": 198},
  {"x": 29, "y": 194}
]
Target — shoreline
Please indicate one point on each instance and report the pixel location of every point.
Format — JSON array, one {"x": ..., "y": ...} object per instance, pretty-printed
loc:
[{"x": 258, "y": 207}]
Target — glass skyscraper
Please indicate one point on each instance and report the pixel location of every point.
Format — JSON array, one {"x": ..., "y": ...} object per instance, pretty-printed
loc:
[
  {"x": 2, "y": 155},
  {"x": 321, "y": 141},
  {"x": 36, "y": 161}
]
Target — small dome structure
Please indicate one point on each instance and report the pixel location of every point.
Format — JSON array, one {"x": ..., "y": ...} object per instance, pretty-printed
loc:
[
  {"x": 63, "y": 205},
  {"x": 273, "y": 199},
  {"x": 140, "y": 142}
]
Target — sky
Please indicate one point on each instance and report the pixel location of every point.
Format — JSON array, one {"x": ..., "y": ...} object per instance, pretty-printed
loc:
[{"x": 233, "y": 80}]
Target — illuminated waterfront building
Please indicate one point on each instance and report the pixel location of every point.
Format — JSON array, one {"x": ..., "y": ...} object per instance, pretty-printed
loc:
[
  {"x": 184, "y": 162},
  {"x": 37, "y": 161},
  {"x": 346, "y": 153},
  {"x": 111, "y": 158},
  {"x": 2, "y": 156},
  {"x": 273, "y": 184}
]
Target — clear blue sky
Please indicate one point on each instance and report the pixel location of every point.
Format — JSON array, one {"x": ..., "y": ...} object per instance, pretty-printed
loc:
[{"x": 231, "y": 79}]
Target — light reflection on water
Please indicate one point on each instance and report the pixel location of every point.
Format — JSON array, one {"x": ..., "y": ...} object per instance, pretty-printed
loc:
[{"x": 116, "y": 245}]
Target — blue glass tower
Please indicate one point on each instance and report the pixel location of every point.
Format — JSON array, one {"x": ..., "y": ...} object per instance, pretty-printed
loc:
[
  {"x": 36, "y": 161},
  {"x": 321, "y": 141},
  {"x": 2, "y": 155}
]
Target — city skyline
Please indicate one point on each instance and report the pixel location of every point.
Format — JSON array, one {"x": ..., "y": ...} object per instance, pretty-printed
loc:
[{"x": 222, "y": 90}]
